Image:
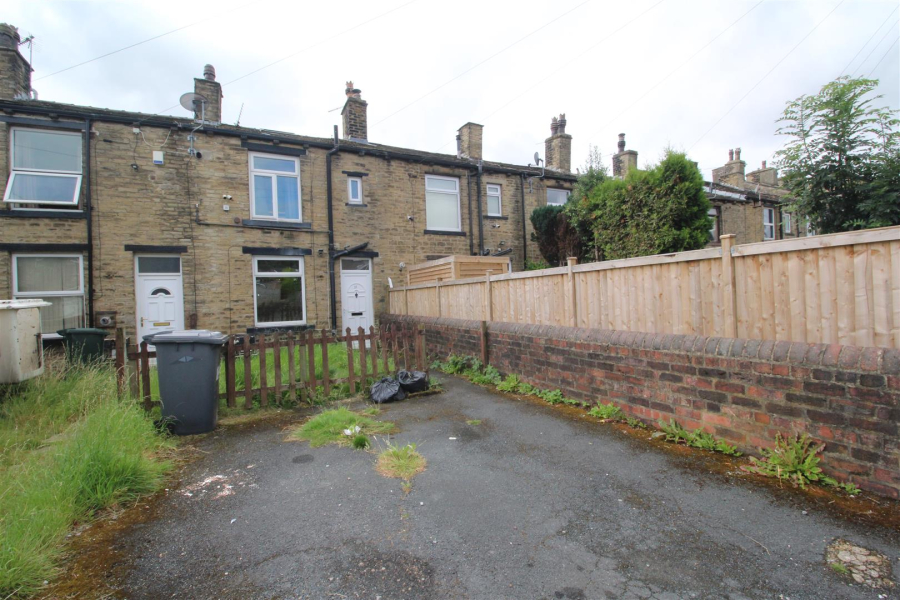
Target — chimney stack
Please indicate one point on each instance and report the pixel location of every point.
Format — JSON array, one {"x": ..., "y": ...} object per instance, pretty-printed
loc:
[
  {"x": 15, "y": 72},
  {"x": 210, "y": 89},
  {"x": 470, "y": 141},
  {"x": 624, "y": 160},
  {"x": 558, "y": 147},
  {"x": 765, "y": 175},
  {"x": 354, "y": 114},
  {"x": 732, "y": 172}
]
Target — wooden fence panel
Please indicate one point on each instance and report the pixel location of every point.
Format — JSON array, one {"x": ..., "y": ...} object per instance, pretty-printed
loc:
[{"x": 841, "y": 288}]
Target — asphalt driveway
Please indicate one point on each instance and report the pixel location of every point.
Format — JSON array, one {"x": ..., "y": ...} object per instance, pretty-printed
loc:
[{"x": 527, "y": 504}]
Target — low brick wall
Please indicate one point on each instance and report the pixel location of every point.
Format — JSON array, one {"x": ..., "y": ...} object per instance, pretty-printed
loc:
[{"x": 744, "y": 391}]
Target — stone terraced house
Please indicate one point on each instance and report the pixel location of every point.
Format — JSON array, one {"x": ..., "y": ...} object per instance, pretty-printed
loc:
[{"x": 152, "y": 222}]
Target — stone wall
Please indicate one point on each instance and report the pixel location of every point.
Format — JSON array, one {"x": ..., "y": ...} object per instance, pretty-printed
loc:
[{"x": 744, "y": 391}]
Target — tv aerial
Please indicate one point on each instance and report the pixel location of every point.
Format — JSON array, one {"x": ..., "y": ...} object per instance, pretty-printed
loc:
[{"x": 195, "y": 103}]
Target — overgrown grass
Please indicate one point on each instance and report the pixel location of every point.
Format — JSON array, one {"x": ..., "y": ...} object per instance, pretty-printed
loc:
[
  {"x": 403, "y": 462},
  {"x": 329, "y": 427},
  {"x": 68, "y": 448}
]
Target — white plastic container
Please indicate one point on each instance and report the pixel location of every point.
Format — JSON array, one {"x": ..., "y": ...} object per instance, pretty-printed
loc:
[{"x": 21, "y": 351}]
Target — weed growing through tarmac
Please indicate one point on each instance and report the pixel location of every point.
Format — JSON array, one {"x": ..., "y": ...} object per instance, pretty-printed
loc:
[
  {"x": 673, "y": 432},
  {"x": 473, "y": 422},
  {"x": 510, "y": 384},
  {"x": 796, "y": 459},
  {"x": 328, "y": 427},
  {"x": 360, "y": 441},
  {"x": 607, "y": 411},
  {"x": 403, "y": 462}
]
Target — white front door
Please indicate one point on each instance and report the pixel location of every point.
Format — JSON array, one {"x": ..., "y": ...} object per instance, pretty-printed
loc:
[
  {"x": 160, "y": 297},
  {"x": 356, "y": 294}
]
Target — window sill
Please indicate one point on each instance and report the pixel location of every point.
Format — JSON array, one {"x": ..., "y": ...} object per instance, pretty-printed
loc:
[
  {"x": 495, "y": 217},
  {"x": 263, "y": 330},
  {"x": 356, "y": 205},
  {"x": 439, "y": 232},
  {"x": 43, "y": 214},
  {"x": 264, "y": 224}
]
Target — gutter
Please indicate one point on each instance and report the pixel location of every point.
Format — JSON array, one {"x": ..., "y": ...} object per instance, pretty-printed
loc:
[
  {"x": 88, "y": 208},
  {"x": 330, "y": 201}
]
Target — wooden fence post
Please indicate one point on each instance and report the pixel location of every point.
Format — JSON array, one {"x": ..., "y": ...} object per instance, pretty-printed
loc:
[
  {"x": 326, "y": 374},
  {"x": 573, "y": 305},
  {"x": 248, "y": 374},
  {"x": 276, "y": 363},
  {"x": 437, "y": 289},
  {"x": 729, "y": 294},
  {"x": 488, "y": 297},
  {"x": 420, "y": 344},
  {"x": 145, "y": 376},
  {"x": 134, "y": 371},
  {"x": 362, "y": 358},
  {"x": 229, "y": 372},
  {"x": 350, "y": 378},
  {"x": 292, "y": 372},
  {"x": 263, "y": 371},
  {"x": 485, "y": 355},
  {"x": 121, "y": 352}
]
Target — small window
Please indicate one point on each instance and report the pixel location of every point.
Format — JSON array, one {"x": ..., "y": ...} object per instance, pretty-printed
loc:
[
  {"x": 768, "y": 223},
  {"x": 354, "y": 190},
  {"x": 442, "y": 203},
  {"x": 786, "y": 223},
  {"x": 275, "y": 187},
  {"x": 46, "y": 168},
  {"x": 557, "y": 197},
  {"x": 55, "y": 279},
  {"x": 714, "y": 229},
  {"x": 279, "y": 291},
  {"x": 354, "y": 264},
  {"x": 494, "y": 207},
  {"x": 158, "y": 264}
]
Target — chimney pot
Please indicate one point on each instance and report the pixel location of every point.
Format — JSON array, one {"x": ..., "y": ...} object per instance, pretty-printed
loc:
[
  {"x": 763, "y": 164},
  {"x": 561, "y": 123},
  {"x": 9, "y": 37},
  {"x": 730, "y": 155},
  {"x": 737, "y": 154},
  {"x": 209, "y": 73},
  {"x": 554, "y": 126},
  {"x": 621, "y": 144}
]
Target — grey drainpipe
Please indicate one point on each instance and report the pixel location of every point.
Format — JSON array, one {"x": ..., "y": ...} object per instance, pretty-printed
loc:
[
  {"x": 90, "y": 228},
  {"x": 328, "y": 156},
  {"x": 478, "y": 204},
  {"x": 524, "y": 225}
]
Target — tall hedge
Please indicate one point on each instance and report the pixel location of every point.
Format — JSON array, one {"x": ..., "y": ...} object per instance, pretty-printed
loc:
[{"x": 657, "y": 211}]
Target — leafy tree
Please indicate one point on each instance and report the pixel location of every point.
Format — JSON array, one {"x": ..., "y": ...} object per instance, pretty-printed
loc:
[
  {"x": 557, "y": 238},
  {"x": 842, "y": 161},
  {"x": 660, "y": 210}
]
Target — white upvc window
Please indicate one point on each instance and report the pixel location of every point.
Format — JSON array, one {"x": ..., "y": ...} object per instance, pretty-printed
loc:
[
  {"x": 279, "y": 290},
  {"x": 57, "y": 279},
  {"x": 786, "y": 223},
  {"x": 557, "y": 197},
  {"x": 494, "y": 201},
  {"x": 45, "y": 167},
  {"x": 354, "y": 190},
  {"x": 768, "y": 223},
  {"x": 442, "y": 211},
  {"x": 275, "y": 187}
]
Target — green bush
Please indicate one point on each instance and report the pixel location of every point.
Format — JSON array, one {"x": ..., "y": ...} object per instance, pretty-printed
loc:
[{"x": 510, "y": 384}]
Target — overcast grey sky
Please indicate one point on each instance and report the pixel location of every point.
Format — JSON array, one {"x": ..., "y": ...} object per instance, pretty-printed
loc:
[{"x": 644, "y": 67}]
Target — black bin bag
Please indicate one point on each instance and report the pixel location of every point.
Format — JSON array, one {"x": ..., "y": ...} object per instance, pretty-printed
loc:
[
  {"x": 413, "y": 381},
  {"x": 386, "y": 390}
]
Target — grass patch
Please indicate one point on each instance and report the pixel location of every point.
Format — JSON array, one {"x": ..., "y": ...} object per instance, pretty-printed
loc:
[
  {"x": 328, "y": 427},
  {"x": 68, "y": 448},
  {"x": 403, "y": 462},
  {"x": 474, "y": 422}
]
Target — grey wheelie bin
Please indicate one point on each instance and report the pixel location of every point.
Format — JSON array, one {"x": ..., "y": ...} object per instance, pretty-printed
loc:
[{"x": 188, "y": 366}]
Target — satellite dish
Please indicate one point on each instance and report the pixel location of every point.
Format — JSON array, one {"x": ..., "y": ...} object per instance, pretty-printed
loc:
[
  {"x": 537, "y": 155},
  {"x": 193, "y": 102}
]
